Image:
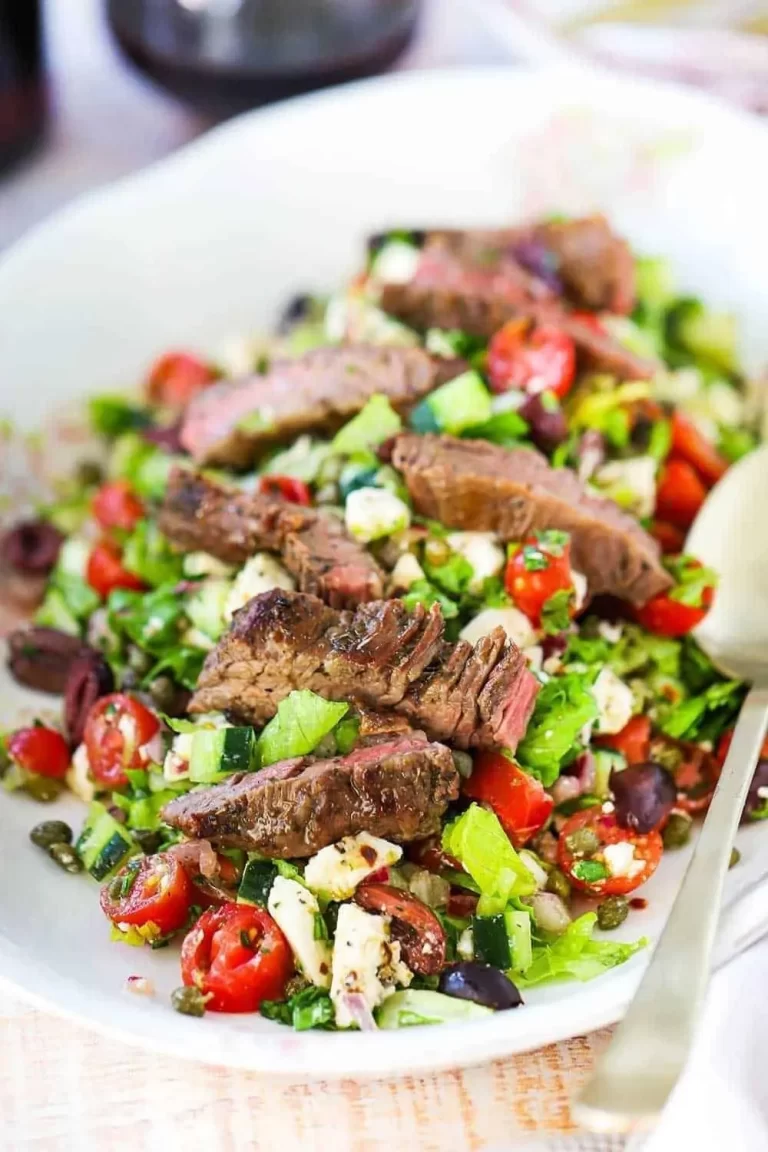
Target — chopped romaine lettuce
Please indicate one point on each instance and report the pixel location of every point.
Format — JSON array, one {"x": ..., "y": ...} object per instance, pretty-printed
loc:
[
  {"x": 453, "y": 577},
  {"x": 183, "y": 664},
  {"x": 576, "y": 954},
  {"x": 505, "y": 428},
  {"x": 556, "y": 611},
  {"x": 414, "y": 1006},
  {"x": 701, "y": 334},
  {"x": 478, "y": 841},
  {"x": 302, "y": 720},
  {"x": 111, "y": 415},
  {"x": 423, "y": 592},
  {"x": 149, "y": 555},
  {"x": 704, "y": 717},
  {"x": 345, "y": 734},
  {"x": 309, "y": 1008},
  {"x": 303, "y": 460},
  {"x": 375, "y": 423},
  {"x": 153, "y": 620},
  {"x": 563, "y": 707}
]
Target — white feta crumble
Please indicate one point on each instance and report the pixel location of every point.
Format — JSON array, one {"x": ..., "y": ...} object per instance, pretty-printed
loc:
[
  {"x": 614, "y": 700},
  {"x": 465, "y": 945},
  {"x": 203, "y": 564},
  {"x": 260, "y": 574},
  {"x": 514, "y": 622},
  {"x": 78, "y": 777},
  {"x": 482, "y": 551},
  {"x": 396, "y": 263},
  {"x": 140, "y": 985},
  {"x": 620, "y": 859},
  {"x": 762, "y": 792},
  {"x": 371, "y": 513},
  {"x": 534, "y": 656},
  {"x": 197, "y": 639},
  {"x": 176, "y": 763},
  {"x": 534, "y": 866},
  {"x": 337, "y": 870},
  {"x": 580, "y": 588},
  {"x": 365, "y": 962},
  {"x": 611, "y": 633},
  {"x": 296, "y": 912},
  {"x": 634, "y": 478},
  {"x": 406, "y": 571}
]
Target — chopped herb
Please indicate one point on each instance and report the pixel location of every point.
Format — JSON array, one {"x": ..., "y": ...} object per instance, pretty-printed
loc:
[
  {"x": 589, "y": 871},
  {"x": 556, "y": 611}
]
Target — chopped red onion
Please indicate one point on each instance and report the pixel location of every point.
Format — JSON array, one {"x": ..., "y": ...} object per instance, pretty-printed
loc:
[{"x": 358, "y": 1009}]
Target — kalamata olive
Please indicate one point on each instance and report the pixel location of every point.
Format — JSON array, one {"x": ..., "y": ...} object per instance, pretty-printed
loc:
[
  {"x": 414, "y": 925},
  {"x": 89, "y": 678},
  {"x": 554, "y": 645},
  {"x": 537, "y": 259},
  {"x": 548, "y": 426},
  {"x": 590, "y": 454},
  {"x": 480, "y": 983},
  {"x": 89, "y": 473},
  {"x": 31, "y": 547},
  {"x": 385, "y": 450},
  {"x": 167, "y": 437},
  {"x": 643, "y": 794},
  {"x": 298, "y": 308},
  {"x": 755, "y": 801},
  {"x": 41, "y": 658}
]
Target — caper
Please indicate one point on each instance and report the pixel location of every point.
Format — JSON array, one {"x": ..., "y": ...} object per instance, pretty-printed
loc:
[
  {"x": 89, "y": 472},
  {"x": 148, "y": 839},
  {"x": 163, "y": 693},
  {"x": 437, "y": 552},
  {"x": 44, "y": 789},
  {"x": 735, "y": 857},
  {"x": 138, "y": 660},
  {"x": 66, "y": 857},
  {"x": 677, "y": 830},
  {"x": 582, "y": 842},
  {"x": 51, "y": 832},
  {"x": 612, "y": 912},
  {"x": 557, "y": 882},
  {"x": 188, "y": 1000}
]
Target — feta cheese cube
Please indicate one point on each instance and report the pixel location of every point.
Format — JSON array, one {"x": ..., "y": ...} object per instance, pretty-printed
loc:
[
  {"x": 338, "y": 869},
  {"x": 260, "y": 574},
  {"x": 482, "y": 551},
  {"x": 514, "y": 622},
  {"x": 580, "y": 588},
  {"x": 203, "y": 564},
  {"x": 371, "y": 513},
  {"x": 612, "y": 633},
  {"x": 631, "y": 482},
  {"x": 615, "y": 702},
  {"x": 78, "y": 777},
  {"x": 396, "y": 263},
  {"x": 295, "y": 911},
  {"x": 406, "y": 571},
  {"x": 365, "y": 962},
  {"x": 620, "y": 859}
]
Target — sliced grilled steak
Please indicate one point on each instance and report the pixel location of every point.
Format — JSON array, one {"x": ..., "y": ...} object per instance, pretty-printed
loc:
[
  {"x": 231, "y": 422},
  {"x": 595, "y": 265},
  {"x": 198, "y": 514},
  {"x": 398, "y": 790},
  {"x": 478, "y": 486},
  {"x": 380, "y": 656}
]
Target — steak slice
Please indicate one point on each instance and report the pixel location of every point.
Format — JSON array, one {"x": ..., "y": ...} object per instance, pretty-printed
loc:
[
  {"x": 474, "y": 485},
  {"x": 379, "y": 657},
  {"x": 398, "y": 790},
  {"x": 595, "y": 265},
  {"x": 233, "y": 421},
  {"x": 199, "y": 515}
]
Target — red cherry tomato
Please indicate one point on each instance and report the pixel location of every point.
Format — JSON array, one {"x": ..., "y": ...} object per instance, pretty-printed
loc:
[
  {"x": 461, "y": 903},
  {"x": 519, "y": 801},
  {"x": 104, "y": 571},
  {"x": 237, "y": 956},
  {"x": 680, "y": 493},
  {"x": 176, "y": 377},
  {"x": 689, "y": 444},
  {"x": 669, "y": 538},
  {"x": 633, "y": 741},
  {"x": 540, "y": 360},
  {"x": 116, "y": 506},
  {"x": 724, "y": 747},
  {"x": 40, "y": 750},
  {"x": 414, "y": 925},
  {"x": 286, "y": 488},
  {"x": 536, "y": 570},
  {"x": 584, "y": 872},
  {"x": 149, "y": 890},
  {"x": 589, "y": 320},
  {"x": 668, "y": 617},
  {"x": 116, "y": 730}
]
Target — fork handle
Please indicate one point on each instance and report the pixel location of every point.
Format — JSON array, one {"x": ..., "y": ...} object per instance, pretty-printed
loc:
[{"x": 643, "y": 1061}]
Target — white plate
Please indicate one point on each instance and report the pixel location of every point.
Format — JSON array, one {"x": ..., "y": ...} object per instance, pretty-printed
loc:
[{"x": 202, "y": 249}]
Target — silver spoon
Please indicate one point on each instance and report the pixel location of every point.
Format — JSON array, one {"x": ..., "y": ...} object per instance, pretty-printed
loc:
[{"x": 643, "y": 1062}]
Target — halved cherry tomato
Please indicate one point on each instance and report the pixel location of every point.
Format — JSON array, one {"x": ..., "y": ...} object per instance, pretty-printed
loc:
[
  {"x": 670, "y": 538},
  {"x": 691, "y": 445},
  {"x": 116, "y": 730},
  {"x": 680, "y": 493},
  {"x": 537, "y": 360},
  {"x": 176, "y": 377},
  {"x": 40, "y": 750},
  {"x": 668, "y": 617},
  {"x": 286, "y": 488},
  {"x": 104, "y": 570},
  {"x": 633, "y": 741},
  {"x": 695, "y": 771},
  {"x": 724, "y": 747},
  {"x": 536, "y": 570},
  {"x": 419, "y": 932},
  {"x": 115, "y": 505},
  {"x": 149, "y": 890},
  {"x": 519, "y": 800},
  {"x": 237, "y": 956},
  {"x": 584, "y": 871}
]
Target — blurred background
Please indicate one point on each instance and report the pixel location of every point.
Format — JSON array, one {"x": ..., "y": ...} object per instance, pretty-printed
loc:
[{"x": 93, "y": 89}]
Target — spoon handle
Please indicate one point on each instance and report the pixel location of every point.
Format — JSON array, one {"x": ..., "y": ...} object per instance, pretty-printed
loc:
[{"x": 649, "y": 1049}]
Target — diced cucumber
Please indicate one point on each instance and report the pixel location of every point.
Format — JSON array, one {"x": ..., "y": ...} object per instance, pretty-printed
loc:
[
  {"x": 491, "y": 941},
  {"x": 54, "y": 613},
  {"x": 606, "y": 760},
  {"x": 73, "y": 557},
  {"x": 371, "y": 426},
  {"x": 420, "y": 1006},
  {"x": 103, "y": 844},
  {"x": 461, "y": 403},
  {"x": 257, "y": 880},
  {"x": 218, "y": 752},
  {"x": 205, "y": 607},
  {"x": 519, "y": 935}
]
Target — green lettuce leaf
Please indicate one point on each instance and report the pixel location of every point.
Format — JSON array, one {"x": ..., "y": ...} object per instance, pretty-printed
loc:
[
  {"x": 149, "y": 555},
  {"x": 153, "y": 620},
  {"x": 478, "y": 840},
  {"x": 706, "y": 716},
  {"x": 374, "y": 424},
  {"x": 564, "y": 705},
  {"x": 111, "y": 415},
  {"x": 453, "y": 576},
  {"x": 302, "y": 720},
  {"x": 422, "y": 592},
  {"x": 576, "y": 954},
  {"x": 183, "y": 664}
]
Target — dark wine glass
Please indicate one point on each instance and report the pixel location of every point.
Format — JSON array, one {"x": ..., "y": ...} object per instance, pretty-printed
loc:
[{"x": 23, "y": 96}]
